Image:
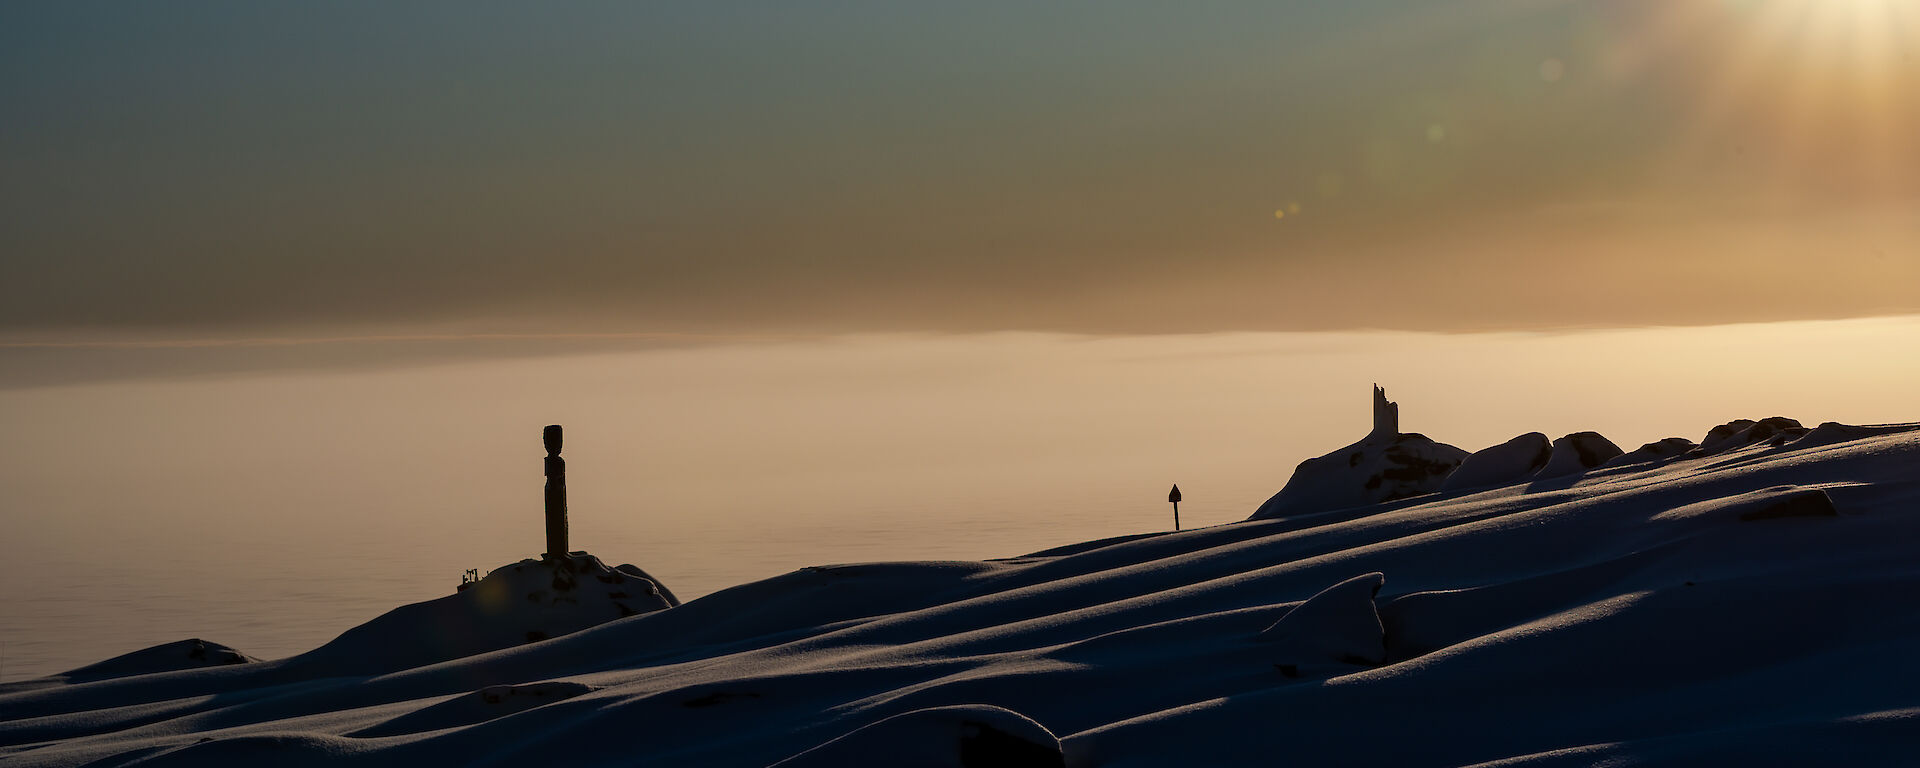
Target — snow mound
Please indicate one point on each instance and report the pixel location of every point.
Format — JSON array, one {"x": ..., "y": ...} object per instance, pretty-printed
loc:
[
  {"x": 1579, "y": 452},
  {"x": 1721, "y": 437},
  {"x": 967, "y": 736},
  {"x": 1651, "y": 452},
  {"x": 1338, "y": 625},
  {"x": 1386, "y": 465},
  {"x": 525, "y": 602},
  {"x": 1504, "y": 464},
  {"x": 1832, "y": 432},
  {"x": 1811, "y": 502},
  {"x": 166, "y": 657},
  {"x": 1776, "y": 503},
  {"x": 1775, "y": 431}
]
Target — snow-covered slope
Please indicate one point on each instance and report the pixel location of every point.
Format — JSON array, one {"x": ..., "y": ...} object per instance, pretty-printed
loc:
[{"x": 1751, "y": 601}]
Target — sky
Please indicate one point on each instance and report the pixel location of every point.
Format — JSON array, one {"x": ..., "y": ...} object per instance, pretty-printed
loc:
[{"x": 209, "y": 170}]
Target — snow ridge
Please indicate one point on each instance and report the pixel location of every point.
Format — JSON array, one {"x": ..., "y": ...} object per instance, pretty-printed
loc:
[{"x": 1749, "y": 599}]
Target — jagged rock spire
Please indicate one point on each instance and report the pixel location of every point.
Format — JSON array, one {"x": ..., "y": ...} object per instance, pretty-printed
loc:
[
  {"x": 1386, "y": 415},
  {"x": 1385, "y": 465}
]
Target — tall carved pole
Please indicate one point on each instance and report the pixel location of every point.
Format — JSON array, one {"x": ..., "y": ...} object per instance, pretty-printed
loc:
[{"x": 556, "y": 494}]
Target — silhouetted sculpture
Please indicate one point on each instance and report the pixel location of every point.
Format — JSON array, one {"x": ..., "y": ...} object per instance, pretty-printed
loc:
[
  {"x": 556, "y": 494},
  {"x": 1174, "y": 496}
]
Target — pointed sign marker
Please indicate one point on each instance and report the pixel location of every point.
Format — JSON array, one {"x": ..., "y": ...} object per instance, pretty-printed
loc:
[{"x": 1174, "y": 496}]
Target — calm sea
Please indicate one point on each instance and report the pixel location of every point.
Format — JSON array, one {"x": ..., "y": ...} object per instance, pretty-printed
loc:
[{"x": 270, "y": 496}]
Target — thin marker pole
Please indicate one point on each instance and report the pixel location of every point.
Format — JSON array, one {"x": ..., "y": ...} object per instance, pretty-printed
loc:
[{"x": 1174, "y": 496}]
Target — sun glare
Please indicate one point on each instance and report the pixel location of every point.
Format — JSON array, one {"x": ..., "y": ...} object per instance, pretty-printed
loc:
[{"x": 1803, "y": 89}]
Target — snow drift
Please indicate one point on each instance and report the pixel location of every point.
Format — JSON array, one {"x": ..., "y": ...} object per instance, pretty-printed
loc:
[{"x": 1752, "y": 599}]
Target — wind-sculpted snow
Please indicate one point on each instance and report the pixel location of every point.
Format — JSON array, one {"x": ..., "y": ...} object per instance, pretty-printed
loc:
[{"x": 1752, "y": 602}]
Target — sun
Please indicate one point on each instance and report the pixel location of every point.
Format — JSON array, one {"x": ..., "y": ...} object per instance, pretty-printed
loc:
[{"x": 1825, "y": 88}]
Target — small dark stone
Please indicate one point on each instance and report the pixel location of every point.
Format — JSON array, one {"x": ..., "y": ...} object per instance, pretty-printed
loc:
[
  {"x": 1288, "y": 670},
  {"x": 624, "y": 610},
  {"x": 1689, "y": 583},
  {"x": 1354, "y": 460},
  {"x": 1373, "y": 482}
]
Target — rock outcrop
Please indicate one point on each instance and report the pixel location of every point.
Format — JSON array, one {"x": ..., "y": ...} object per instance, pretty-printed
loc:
[
  {"x": 1385, "y": 465},
  {"x": 1775, "y": 431},
  {"x": 524, "y": 602}
]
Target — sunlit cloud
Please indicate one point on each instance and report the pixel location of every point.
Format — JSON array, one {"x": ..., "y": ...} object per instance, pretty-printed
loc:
[{"x": 644, "y": 168}]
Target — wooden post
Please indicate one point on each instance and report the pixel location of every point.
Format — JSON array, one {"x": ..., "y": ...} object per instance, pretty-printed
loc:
[
  {"x": 556, "y": 494},
  {"x": 1174, "y": 496}
]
